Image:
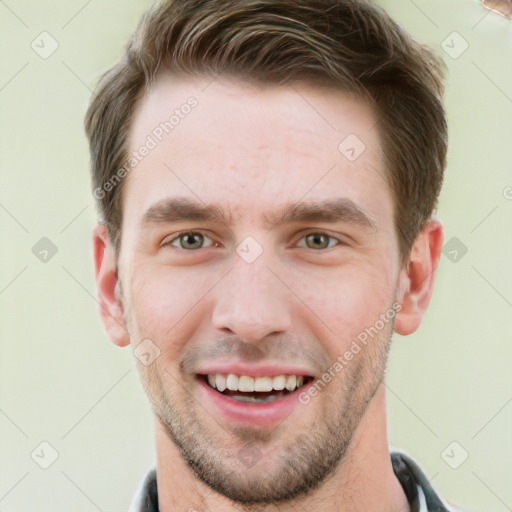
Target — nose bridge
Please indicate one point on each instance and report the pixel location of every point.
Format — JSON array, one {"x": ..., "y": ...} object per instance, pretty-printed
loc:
[{"x": 252, "y": 302}]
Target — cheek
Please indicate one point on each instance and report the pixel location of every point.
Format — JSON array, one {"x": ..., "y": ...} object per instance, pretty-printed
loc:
[
  {"x": 166, "y": 302},
  {"x": 346, "y": 301}
]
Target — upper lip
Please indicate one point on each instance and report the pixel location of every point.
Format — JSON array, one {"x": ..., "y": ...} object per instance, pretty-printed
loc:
[{"x": 267, "y": 370}]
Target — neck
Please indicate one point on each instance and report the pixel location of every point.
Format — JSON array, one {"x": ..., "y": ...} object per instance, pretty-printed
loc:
[{"x": 364, "y": 480}]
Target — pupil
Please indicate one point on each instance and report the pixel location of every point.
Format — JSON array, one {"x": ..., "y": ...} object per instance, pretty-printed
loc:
[
  {"x": 318, "y": 239},
  {"x": 189, "y": 240}
]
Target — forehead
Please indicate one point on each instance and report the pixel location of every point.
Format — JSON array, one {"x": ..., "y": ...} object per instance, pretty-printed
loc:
[{"x": 252, "y": 148}]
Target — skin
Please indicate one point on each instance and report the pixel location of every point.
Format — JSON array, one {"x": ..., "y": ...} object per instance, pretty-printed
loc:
[{"x": 252, "y": 149}]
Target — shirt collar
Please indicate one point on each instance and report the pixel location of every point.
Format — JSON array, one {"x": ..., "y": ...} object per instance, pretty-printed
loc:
[
  {"x": 420, "y": 493},
  {"x": 146, "y": 495}
]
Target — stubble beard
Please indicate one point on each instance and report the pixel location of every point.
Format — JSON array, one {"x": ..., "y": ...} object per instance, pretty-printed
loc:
[{"x": 301, "y": 461}]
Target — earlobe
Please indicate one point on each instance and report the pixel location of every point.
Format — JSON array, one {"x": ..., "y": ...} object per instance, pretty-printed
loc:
[
  {"x": 416, "y": 281},
  {"x": 108, "y": 287}
]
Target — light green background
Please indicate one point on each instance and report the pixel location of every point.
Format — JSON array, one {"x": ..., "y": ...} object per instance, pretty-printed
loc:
[{"x": 63, "y": 381}]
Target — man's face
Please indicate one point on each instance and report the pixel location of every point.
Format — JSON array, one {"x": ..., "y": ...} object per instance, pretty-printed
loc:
[{"x": 255, "y": 291}]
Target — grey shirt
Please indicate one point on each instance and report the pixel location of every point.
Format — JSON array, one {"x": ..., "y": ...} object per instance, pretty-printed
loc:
[{"x": 420, "y": 493}]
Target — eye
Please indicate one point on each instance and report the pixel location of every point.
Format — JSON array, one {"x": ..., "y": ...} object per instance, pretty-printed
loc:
[
  {"x": 189, "y": 241},
  {"x": 319, "y": 241}
]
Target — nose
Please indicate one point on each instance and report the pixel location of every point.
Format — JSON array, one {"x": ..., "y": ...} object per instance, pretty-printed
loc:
[{"x": 252, "y": 302}]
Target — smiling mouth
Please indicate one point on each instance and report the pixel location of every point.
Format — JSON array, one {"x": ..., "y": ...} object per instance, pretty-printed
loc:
[{"x": 261, "y": 389}]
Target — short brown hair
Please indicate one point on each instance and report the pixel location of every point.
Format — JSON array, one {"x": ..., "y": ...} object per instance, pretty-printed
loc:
[{"x": 352, "y": 45}]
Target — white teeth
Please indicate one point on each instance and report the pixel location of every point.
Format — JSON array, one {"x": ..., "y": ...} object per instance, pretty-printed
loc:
[
  {"x": 279, "y": 382},
  {"x": 249, "y": 384},
  {"x": 245, "y": 383},
  {"x": 291, "y": 382},
  {"x": 220, "y": 382},
  {"x": 232, "y": 382},
  {"x": 263, "y": 384}
]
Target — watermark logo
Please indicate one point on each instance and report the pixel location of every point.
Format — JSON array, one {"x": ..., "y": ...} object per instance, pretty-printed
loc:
[
  {"x": 44, "y": 250},
  {"x": 152, "y": 140},
  {"x": 454, "y": 45},
  {"x": 249, "y": 455},
  {"x": 351, "y": 147},
  {"x": 249, "y": 249},
  {"x": 344, "y": 359},
  {"x": 44, "y": 45},
  {"x": 146, "y": 352},
  {"x": 455, "y": 249},
  {"x": 454, "y": 455},
  {"x": 44, "y": 455}
]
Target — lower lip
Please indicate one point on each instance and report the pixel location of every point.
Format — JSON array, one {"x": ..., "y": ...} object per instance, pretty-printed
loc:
[{"x": 253, "y": 413}]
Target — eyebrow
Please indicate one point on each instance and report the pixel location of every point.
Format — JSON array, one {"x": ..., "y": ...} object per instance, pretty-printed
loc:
[{"x": 334, "y": 210}]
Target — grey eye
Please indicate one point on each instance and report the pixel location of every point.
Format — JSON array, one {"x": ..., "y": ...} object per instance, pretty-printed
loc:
[
  {"x": 319, "y": 241},
  {"x": 190, "y": 241}
]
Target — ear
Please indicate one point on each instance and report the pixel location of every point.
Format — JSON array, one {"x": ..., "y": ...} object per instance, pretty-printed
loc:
[
  {"x": 416, "y": 280},
  {"x": 108, "y": 287}
]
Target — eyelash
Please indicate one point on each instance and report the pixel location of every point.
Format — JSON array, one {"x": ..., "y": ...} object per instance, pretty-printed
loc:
[{"x": 179, "y": 235}]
